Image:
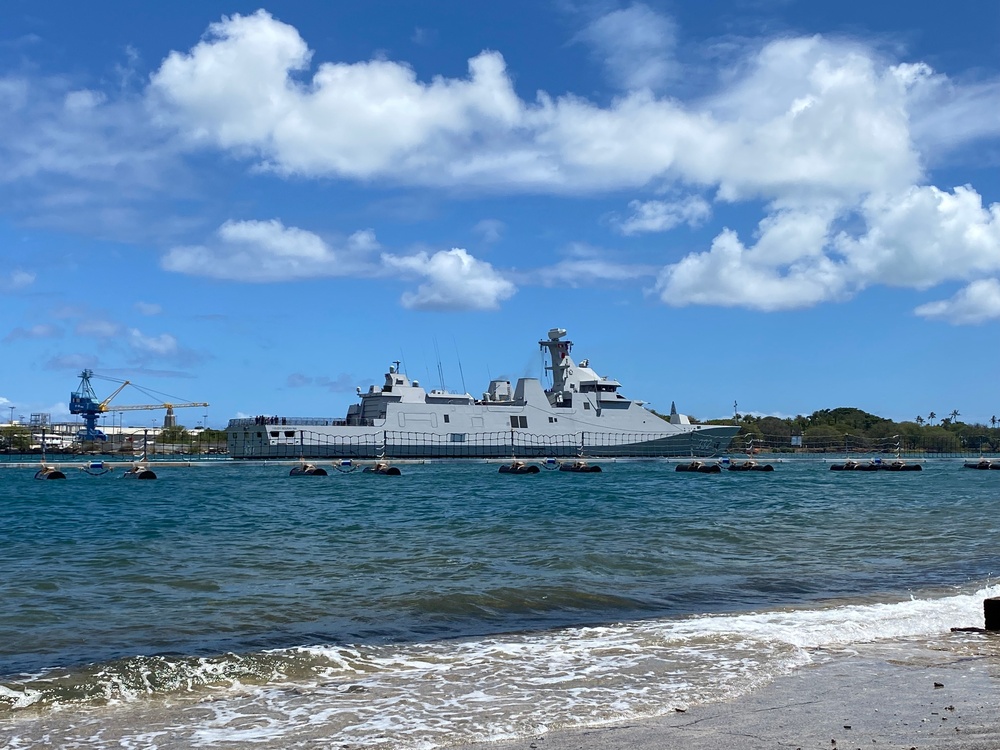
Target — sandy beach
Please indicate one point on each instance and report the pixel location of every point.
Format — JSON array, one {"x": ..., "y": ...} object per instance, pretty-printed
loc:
[{"x": 927, "y": 697}]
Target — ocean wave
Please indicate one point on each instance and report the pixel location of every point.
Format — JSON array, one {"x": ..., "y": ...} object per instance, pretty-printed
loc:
[
  {"x": 488, "y": 688},
  {"x": 126, "y": 680}
]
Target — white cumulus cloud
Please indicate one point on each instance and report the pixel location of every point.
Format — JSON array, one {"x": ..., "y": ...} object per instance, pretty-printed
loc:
[
  {"x": 164, "y": 345},
  {"x": 805, "y": 115},
  {"x": 924, "y": 236},
  {"x": 976, "y": 303},
  {"x": 732, "y": 275},
  {"x": 267, "y": 251},
  {"x": 236, "y": 89},
  {"x": 827, "y": 139},
  {"x": 661, "y": 216},
  {"x": 636, "y": 45},
  {"x": 16, "y": 280},
  {"x": 454, "y": 281},
  {"x": 586, "y": 265},
  {"x": 917, "y": 238}
]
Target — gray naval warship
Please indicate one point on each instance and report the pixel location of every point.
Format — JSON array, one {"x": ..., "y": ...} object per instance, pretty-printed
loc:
[{"x": 582, "y": 414}]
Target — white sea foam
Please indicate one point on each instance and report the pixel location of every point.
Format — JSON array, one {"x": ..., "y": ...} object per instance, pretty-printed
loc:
[
  {"x": 422, "y": 695},
  {"x": 842, "y": 625},
  {"x": 19, "y": 698},
  {"x": 508, "y": 686}
]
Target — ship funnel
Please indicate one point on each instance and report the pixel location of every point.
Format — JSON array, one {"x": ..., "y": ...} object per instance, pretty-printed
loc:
[{"x": 556, "y": 333}]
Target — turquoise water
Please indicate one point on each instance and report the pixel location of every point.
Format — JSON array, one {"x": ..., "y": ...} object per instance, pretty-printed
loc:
[{"x": 399, "y": 608}]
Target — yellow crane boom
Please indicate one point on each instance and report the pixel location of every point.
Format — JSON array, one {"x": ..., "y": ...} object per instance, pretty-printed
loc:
[
  {"x": 103, "y": 405},
  {"x": 138, "y": 407}
]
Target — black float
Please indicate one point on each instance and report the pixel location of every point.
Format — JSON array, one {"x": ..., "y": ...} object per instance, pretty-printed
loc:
[
  {"x": 983, "y": 464},
  {"x": 699, "y": 467},
  {"x": 580, "y": 467},
  {"x": 49, "y": 472},
  {"x": 307, "y": 470},
  {"x": 750, "y": 466},
  {"x": 519, "y": 467},
  {"x": 139, "y": 472},
  {"x": 382, "y": 468}
]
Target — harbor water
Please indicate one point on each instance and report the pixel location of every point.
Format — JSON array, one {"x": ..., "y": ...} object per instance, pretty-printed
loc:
[{"x": 234, "y": 606}]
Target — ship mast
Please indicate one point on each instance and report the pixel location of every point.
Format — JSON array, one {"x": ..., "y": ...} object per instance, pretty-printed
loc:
[{"x": 559, "y": 357}]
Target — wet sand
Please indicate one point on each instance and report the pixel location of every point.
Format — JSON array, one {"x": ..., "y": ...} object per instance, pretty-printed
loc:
[{"x": 926, "y": 699}]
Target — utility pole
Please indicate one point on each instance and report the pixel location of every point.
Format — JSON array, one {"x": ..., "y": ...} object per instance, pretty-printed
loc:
[{"x": 11, "y": 414}]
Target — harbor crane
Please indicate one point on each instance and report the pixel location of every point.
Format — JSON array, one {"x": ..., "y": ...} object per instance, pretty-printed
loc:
[{"x": 84, "y": 401}]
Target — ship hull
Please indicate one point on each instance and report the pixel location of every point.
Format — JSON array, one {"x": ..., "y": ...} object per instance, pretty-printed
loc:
[{"x": 365, "y": 443}]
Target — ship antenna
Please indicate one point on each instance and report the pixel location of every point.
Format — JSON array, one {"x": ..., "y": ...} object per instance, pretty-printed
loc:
[
  {"x": 460, "y": 371},
  {"x": 437, "y": 354}
]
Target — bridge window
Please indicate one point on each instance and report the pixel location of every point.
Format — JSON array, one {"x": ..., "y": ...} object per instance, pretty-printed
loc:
[{"x": 518, "y": 421}]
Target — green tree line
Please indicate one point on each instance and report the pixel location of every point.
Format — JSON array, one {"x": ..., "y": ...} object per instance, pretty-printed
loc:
[
  {"x": 15, "y": 437},
  {"x": 180, "y": 435},
  {"x": 851, "y": 427}
]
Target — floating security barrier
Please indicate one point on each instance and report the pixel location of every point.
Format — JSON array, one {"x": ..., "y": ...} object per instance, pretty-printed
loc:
[
  {"x": 875, "y": 465},
  {"x": 139, "y": 472},
  {"x": 580, "y": 467},
  {"x": 699, "y": 467},
  {"x": 983, "y": 464},
  {"x": 307, "y": 470},
  {"x": 519, "y": 467},
  {"x": 49, "y": 472},
  {"x": 749, "y": 466},
  {"x": 382, "y": 468}
]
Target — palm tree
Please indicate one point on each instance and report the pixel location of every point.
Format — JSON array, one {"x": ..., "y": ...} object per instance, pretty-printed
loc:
[
  {"x": 954, "y": 415},
  {"x": 931, "y": 417},
  {"x": 920, "y": 420},
  {"x": 993, "y": 421}
]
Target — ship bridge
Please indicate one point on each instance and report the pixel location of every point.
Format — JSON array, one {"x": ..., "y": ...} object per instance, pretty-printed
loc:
[{"x": 570, "y": 379}]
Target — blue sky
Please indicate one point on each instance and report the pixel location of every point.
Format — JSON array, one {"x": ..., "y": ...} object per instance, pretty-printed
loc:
[{"x": 790, "y": 205}]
